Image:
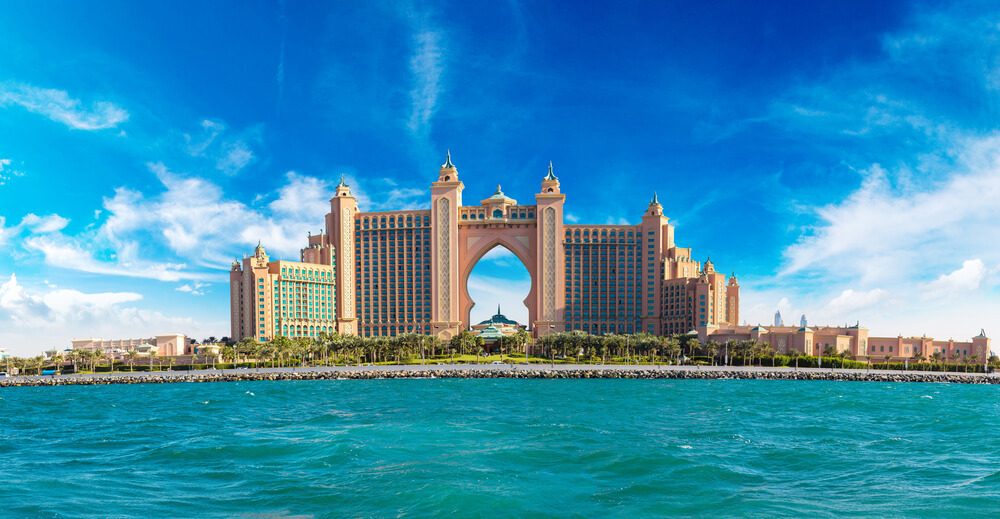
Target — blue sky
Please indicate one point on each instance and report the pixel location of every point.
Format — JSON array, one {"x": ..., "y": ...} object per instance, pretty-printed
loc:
[{"x": 843, "y": 159}]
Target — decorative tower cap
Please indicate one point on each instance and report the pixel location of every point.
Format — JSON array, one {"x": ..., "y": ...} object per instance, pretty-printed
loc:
[
  {"x": 447, "y": 162},
  {"x": 655, "y": 200},
  {"x": 498, "y": 192},
  {"x": 550, "y": 176},
  {"x": 342, "y": 183}
]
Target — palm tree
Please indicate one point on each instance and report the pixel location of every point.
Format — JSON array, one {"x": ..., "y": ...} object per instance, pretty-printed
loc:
[
  {"x": 795, "y": 354},
  {"x": 845, "y": 355},
  {"x": 519, "y": 340},
  {"x": 672, "y": 348},
  {"x": 974, "y": 358},
  {"x": 731, "y": 346},
  {"x": 300, "y": 348},
  {"x": 693, "y": 345},
  {"x": 131, "y": 355},
  {"x": 955, "y": 356},
  {"x": 171, "y": 361},
  {"x": 228, "y": 354},
  {"x": 767, "y": 351},
  {"x": 39, "y": 362},
  {"x": 938, "y": 357},
  {"x": 829, "y": 350},
  {"x": 712, "y": 349},
  {"x": 887, "y": 358},
  {"x": 72, "y": 356}
]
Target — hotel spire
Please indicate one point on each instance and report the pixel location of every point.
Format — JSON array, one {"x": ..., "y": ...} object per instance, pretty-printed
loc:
[{"x": 550, "y": 176}]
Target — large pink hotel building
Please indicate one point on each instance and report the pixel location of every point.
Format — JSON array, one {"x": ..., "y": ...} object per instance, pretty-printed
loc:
[{"x": 392, "y": 272}]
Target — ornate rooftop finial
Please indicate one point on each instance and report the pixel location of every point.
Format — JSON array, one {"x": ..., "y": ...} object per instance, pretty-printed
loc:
[
  {"x": 342, "y": 184},
  {"x": 550, "y": 176},
  {"x": 447, "y": 162},
  {"x": 258, "y": 244},
  {"x": 498, "y": 309},
  {"x": 498, "y": 191},
  {"x": 655, "y": 200}
]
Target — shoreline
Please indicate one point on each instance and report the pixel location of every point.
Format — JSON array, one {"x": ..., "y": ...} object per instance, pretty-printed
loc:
[{"x": 537, "y": 371}]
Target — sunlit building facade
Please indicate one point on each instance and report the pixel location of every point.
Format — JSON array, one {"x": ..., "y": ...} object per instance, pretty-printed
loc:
[
  {"x": 816, "y": 340},
  {"x": 164, "y": 345},
  {"x": 391, "y": 272}
]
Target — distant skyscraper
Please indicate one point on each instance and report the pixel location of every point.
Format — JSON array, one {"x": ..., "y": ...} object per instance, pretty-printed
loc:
[
  {"x": 803, "y": 322},
  {"x": 777, "y": 318}
]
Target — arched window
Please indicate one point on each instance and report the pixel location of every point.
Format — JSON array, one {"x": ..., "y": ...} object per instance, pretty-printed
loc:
[{"x": 497, "y": 213}]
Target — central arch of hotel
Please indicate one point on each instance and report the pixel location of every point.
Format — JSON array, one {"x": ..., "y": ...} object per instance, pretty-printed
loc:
[{"x": 478, "y": 242}]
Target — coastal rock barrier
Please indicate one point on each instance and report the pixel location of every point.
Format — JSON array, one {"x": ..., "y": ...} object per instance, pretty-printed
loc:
[{"x": 522, "y": 373}]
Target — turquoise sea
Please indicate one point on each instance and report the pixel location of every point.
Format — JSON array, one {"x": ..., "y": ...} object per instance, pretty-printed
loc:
[{"x": 501, "y": 448}]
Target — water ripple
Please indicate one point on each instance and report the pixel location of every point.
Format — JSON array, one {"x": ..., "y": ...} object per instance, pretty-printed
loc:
[{"x": 501, "y": 448}]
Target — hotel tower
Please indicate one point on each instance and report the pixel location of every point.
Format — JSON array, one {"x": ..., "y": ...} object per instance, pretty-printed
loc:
[{"x": 391, "y": 272}]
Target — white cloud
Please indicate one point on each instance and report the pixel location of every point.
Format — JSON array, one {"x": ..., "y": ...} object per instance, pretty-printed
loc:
[
  {"x": 59, "y": 106},
  {"x": 61, "y": 251},
  {"x": 32, "y": 321},
  {"x": 194, "y": 289},
  {"x": 55, "y": 305},
  {"x": 572, "y": 218},
  {"x": 966, "y": 279},
  {"x": 141, "y": 233},
  {"x": 210, "y": 130},
  {"x": 230, "y": 154},
  {"x": 501, "y": 256},
  {"x": 385, "y": 194},
  {"x": 302, "y": 197},
  {"x": 7, "y": 172},
  {"x": 236, "y": 156},
  {"x": 33, "y": 223},
  {"x": 879, "y": 229},
  {"x": 850, "y": 301},
  {"x": 44, "y": 224},
  {"x": 427, "y": 67}
]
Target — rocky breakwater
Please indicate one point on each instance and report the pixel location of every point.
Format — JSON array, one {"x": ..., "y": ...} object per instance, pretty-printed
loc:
[{"x": 581, "y": 372}]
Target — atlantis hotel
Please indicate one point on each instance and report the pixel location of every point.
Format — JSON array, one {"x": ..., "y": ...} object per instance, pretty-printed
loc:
[{"x": 392, "y": 272}]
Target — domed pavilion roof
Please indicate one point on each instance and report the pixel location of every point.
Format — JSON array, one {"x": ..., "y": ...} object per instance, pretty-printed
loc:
[{"x": 499, "y": 318}]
